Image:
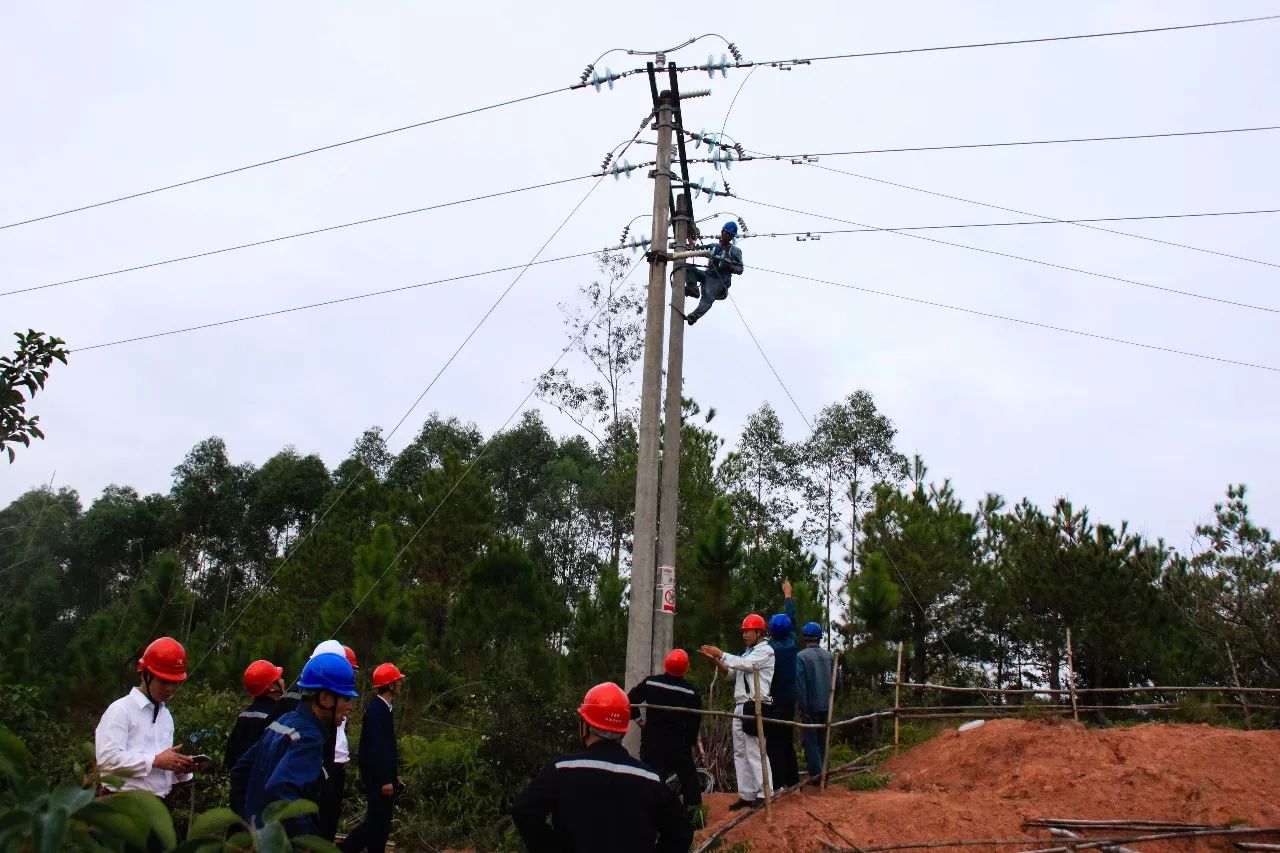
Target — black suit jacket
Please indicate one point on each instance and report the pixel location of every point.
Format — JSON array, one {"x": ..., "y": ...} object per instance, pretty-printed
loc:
[{"x": 379, "y": 759}]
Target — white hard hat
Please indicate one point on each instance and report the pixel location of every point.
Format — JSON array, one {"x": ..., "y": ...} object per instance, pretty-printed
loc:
[{"x": 329, "y": 647}]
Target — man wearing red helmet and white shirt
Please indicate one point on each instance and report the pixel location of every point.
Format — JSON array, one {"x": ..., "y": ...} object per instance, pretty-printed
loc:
[
  {"x": 134, "y": 738},
  {"x": 601, "y": 798},
  {"x": 667, "y": 738},
  {"x": 746, "y": 748}
]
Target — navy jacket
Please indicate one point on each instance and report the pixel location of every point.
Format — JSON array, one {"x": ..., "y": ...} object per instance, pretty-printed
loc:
[
  {"x": 250, "y": 725},
  {"x": 601, "y": 800},
  {"x": 379, "y": 758},
  {"x": 287, "y": 763},
  {"x": 670, "y": 728},
  {"x": 783, "y": 688}
]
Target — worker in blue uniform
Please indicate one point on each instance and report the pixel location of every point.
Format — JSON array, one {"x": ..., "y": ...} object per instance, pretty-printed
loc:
[
  {"x": 712, "y": 283},
  {"x": 780, "y": 739},
  {"x": 287, "y": 762}
]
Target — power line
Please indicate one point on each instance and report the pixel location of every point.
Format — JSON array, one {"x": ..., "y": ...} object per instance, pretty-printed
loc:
[
  {"x": 1122, "y": 280},
  {"x": 1149, "y": 217},
  {"x": 787, "y": 63},
  {"x": 327, "y": 302},
  {"x": 285, "y": 157},
  {"x": 281, "y": 238},
  {"x": 972, "y": 145},
  {"x": 479, "y": 455},
  {"x": 351, "y": 481},
  {"x": 1033, "y": 323},
  {"x": 830, "y": 568},
  {"x": 1053, "y": 219}
]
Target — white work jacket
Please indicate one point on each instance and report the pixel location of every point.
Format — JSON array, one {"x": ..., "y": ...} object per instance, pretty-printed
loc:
[
  {"x": 758, "y": 657},
  {"x": 127, "y": 741}
]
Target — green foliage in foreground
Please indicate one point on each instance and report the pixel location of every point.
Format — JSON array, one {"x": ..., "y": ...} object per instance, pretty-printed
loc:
[{"x": 37, "y": 816}]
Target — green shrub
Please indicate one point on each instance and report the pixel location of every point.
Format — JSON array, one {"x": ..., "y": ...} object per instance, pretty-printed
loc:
[
  {"x": 871, "y": 781},
  {"x": 35, "y": 815},
  {"x": 1193, "y": 709},
  {"x": 1038, "y": 711}
]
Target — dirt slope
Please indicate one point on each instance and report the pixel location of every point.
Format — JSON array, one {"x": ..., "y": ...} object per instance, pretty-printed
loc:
[{"x": 983, "y": 783}]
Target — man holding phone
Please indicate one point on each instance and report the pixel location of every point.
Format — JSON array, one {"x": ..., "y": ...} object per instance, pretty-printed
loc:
[{"x": 134, "y": 738}]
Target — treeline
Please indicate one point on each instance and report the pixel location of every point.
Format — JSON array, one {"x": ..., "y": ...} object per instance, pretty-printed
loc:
[{"x": 495, "y": 570}]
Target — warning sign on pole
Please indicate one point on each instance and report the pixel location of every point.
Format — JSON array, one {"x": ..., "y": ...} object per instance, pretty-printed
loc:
[{"x": 667, "y": 587}]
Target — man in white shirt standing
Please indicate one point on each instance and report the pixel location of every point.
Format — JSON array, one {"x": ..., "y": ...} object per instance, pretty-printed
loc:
[
  {"x": 759, "y": 658},
  {"x": 134, "y": 738}
]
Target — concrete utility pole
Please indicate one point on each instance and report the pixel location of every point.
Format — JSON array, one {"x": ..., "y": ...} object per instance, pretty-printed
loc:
[
  {"x": 643, "y": 565},
  {"x": 668, "y": 526}
]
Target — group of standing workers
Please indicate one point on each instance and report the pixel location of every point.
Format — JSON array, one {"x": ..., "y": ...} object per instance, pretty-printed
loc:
[
  {"x": 600, "y": 798},
  {"x": 292, "y": 745},
  {"x": 285, "y": 746}
]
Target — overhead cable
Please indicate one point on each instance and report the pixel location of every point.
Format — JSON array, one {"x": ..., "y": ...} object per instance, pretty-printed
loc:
[
  {"x": 973, "y": 145},
  {"x": 1108, "y": 277},
  {"x": 449, "y": 361},
  {"x": 791, "y": 63},
  {"x": 1146, "y": 218},
  {"x": 1032, "y": 323},
  {"x": 285, "y": 157},
  {"x": 293, "y": 236},
  {"x": 1046, "y": 217}
]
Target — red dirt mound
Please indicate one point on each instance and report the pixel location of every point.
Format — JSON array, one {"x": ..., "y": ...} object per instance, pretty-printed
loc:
[{"x": 985, "y": 782}]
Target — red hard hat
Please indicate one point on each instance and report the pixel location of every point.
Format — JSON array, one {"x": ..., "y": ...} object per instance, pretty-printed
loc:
[
  {"x": 165, "y": 658},
  {"x": 753, "y": 622},
  {"x": 677, "y": 662},
  {"x": 351, "y": 657},
  {"x": 386, "y": 674},
  {"x": 606, "y": 707},
  {"x": 260, "y": 675}
]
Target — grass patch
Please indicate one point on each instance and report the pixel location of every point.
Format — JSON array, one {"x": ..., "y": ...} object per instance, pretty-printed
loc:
[
  {"x": 873, "y": 781},
  {"x": 1038, "y": 711}
]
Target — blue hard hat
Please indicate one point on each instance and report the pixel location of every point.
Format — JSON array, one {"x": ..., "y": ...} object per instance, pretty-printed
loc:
[
  {"x": 812, "y": 630},
  {"x": 780, "y": 625},
  {"x": 731, "y": 227},
  {"x": 329, "y": 672}
]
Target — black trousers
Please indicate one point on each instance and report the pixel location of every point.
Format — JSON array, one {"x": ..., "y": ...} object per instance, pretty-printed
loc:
[
  {"x": 373, "y": 833},
  {"x": 779, "y": 744},
  {"x": 330, "y": 804},
  {"x": 669, "y": 756}
]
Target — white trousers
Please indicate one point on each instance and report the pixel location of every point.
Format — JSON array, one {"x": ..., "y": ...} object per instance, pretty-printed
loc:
[{"x": 746, "y": 761}]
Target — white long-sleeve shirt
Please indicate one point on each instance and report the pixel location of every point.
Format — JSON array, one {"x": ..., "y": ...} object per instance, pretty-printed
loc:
[
  {"x": 127, "y": 742},
  {"x": 758, "y": 657},
  {"x": 341, "y": 747}
]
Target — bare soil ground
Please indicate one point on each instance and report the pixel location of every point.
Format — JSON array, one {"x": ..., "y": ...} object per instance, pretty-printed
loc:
[{"x": 985, "y": 782}]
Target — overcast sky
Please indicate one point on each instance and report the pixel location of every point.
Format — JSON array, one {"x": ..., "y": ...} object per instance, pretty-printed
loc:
[{"x": 101, "y": 100}]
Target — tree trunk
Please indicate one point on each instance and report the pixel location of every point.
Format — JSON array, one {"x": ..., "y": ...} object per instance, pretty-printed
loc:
[
  {"x": 919, "y": 656},
  {"x": 826, "y": 569},
  {"x": 1055, "y": 664}
]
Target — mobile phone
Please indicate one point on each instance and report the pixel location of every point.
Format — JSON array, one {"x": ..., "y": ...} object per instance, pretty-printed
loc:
[{"x": 202, "y": 762}]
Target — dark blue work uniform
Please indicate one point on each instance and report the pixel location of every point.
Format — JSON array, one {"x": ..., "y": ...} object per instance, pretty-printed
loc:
[
  {"x": 379, "y": 765},
  {"x": 601, "y": 800},
  {"x": 287, "y": 763}
]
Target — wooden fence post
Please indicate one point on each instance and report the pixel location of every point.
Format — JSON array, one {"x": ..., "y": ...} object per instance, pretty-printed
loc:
[
  {"x": 1244, "y": 702},
  {"x": 897, "y": 701},
  {"x": 764, "y": 756},
  {"x": 1071, "y": 679},
  {"x": 831, "y": 714}
]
